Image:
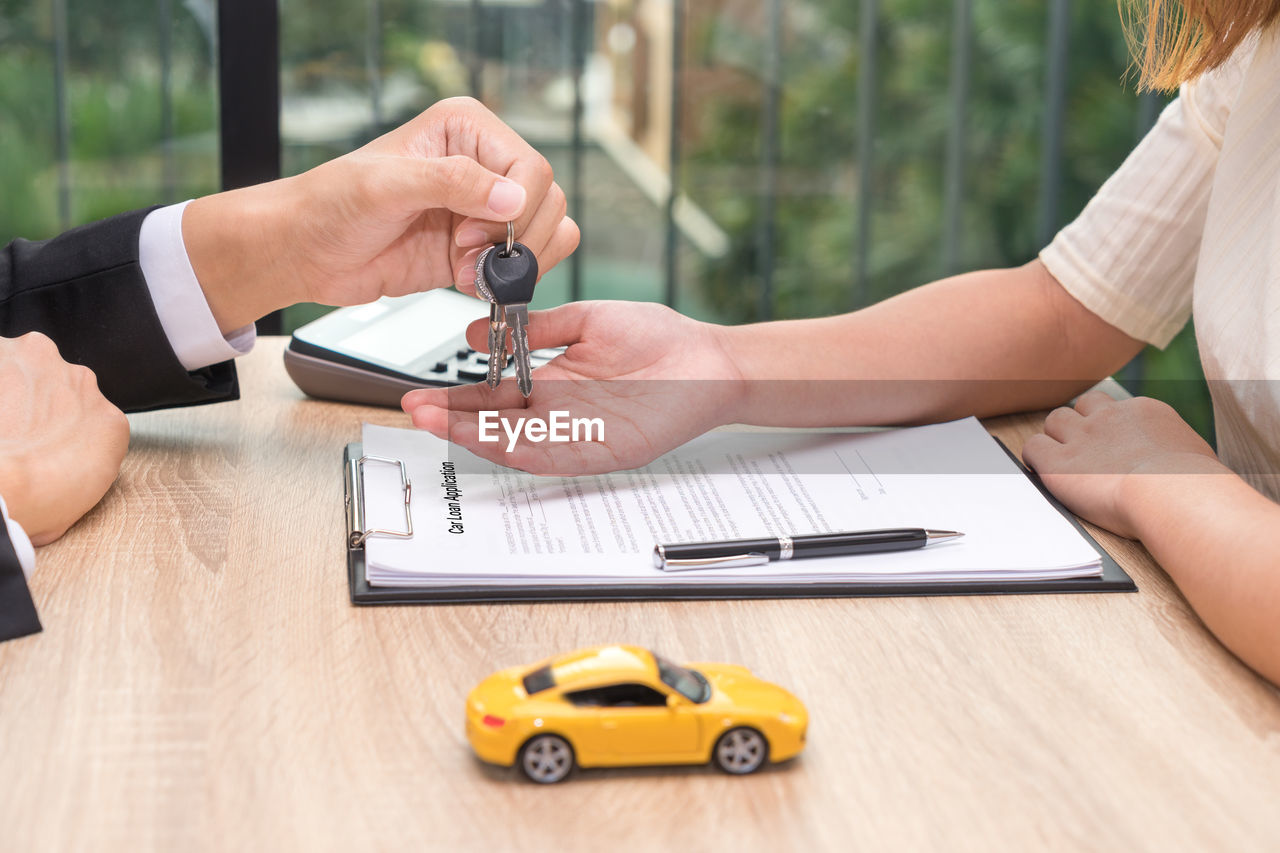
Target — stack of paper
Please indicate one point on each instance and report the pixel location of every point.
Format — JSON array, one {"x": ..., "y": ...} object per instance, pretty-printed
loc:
[{"x": 476, "y": 523}]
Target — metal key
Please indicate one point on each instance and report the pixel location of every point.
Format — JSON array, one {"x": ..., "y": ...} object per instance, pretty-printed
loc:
[
  {"x": 511, "y": 278},
  {"x": 497, "y": 318},
  {"x": 497, "y": 322},
  {"x": 509, "y": 273}
]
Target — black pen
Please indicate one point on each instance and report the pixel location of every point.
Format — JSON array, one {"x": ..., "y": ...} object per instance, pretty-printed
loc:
[{"x": 734, "y": 553}]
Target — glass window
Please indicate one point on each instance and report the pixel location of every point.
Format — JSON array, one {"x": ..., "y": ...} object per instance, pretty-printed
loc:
[
  {"x": 690, "y": 683},
  {"x": 746, "y": 161},
  {"x": 738, "y": 160},
  {"x": 104, "y": 107},
  {"x": 538, "y": 680},
  {"x": 618, "y": 696}
]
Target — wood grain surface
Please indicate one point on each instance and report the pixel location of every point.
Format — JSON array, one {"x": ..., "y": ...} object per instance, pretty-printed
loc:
[{"x": 203, "y": 683}]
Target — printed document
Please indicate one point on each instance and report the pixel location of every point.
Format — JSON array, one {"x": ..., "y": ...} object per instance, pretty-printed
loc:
[{"x": 476, "y": 523}]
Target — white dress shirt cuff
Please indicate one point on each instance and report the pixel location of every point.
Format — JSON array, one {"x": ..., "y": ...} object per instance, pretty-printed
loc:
[
  {"x": 21, "y": 543},
  {"x": 179, "y": 301}
]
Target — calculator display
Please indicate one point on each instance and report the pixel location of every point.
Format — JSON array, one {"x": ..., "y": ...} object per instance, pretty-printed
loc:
[{"x": 420, "y": 337}]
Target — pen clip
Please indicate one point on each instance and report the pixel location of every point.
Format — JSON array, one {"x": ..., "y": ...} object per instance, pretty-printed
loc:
[{"x": 731, "y": 562}]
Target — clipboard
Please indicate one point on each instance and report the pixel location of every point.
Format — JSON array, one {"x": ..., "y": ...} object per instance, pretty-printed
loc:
[{"x": 1112, "y": 579}]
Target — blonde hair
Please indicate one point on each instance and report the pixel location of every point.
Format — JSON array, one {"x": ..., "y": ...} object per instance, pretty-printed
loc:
[{"x": 1175, "y": 40}]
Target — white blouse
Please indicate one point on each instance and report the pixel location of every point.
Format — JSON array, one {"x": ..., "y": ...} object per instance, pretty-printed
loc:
[{"x": 1190, "y": 223}]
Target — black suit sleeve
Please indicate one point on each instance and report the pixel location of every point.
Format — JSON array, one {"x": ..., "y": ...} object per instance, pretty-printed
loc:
[
  {"x": 17, "y": 611},
  {"x": 86, "y": 291}
]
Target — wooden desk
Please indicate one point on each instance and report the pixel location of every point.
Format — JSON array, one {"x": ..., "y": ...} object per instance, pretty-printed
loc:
[{"x": 203, "y": 683}]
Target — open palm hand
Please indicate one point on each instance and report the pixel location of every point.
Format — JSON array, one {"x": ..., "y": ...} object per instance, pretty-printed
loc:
[{"x": 654, "y": 378}]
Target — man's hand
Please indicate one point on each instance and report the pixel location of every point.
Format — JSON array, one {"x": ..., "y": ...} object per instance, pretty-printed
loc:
[
  {"x": 655, "y": 378},
  {"x": 1092, "y": 455},
  {"x": 408, "y": 212},
  {"x": 61, "y": 442}
]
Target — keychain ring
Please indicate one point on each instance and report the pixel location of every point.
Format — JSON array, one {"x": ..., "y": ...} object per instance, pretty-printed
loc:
[{"x": 511, "y": 239}]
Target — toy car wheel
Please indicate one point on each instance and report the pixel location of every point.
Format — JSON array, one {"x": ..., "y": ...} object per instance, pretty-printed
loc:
[
  {"x": 546, "y": 759},
  {"x": 740, "y": 751}
]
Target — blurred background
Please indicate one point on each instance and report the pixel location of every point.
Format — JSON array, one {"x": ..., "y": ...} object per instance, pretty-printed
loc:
[{"x": 738, "y": 159}]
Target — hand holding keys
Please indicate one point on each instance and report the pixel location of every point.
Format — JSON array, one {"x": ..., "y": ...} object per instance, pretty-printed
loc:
[{"x": 506, "y": 274}]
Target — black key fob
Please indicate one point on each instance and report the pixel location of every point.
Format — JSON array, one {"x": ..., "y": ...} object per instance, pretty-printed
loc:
[{"x": 511, "y": 278}]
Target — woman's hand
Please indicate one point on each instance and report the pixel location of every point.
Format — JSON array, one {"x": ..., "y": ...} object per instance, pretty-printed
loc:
[
  {"x": 1136, "y": 468},
  {"x": 1090, "y": 455},
  {"x": 654, "y": 377},
  {"x": 407, "y": 212}
]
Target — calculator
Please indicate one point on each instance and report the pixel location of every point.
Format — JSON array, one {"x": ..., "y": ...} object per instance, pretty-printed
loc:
[{"x": 372, "y": 354}]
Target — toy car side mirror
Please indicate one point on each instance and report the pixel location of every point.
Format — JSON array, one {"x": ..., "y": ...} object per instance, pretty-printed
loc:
[{"x": 674, "y": 700}]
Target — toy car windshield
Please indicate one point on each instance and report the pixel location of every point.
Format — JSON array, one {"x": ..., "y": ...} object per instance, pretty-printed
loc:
[{"x": 689, "y": 683}]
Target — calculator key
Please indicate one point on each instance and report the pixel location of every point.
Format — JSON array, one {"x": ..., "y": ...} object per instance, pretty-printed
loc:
[
  {"x": 463, "y": 353},
  {"x": 473, "y": 375},
  {"x": 439, "y": 367}
]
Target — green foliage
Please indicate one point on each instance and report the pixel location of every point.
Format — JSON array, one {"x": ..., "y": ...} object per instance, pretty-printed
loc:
[
  {"x": 115, "y": 95},
  {"x": 27, "y": 195},
  {"x": 815, "y": 216},
  {"x": 815, "y": 220}
]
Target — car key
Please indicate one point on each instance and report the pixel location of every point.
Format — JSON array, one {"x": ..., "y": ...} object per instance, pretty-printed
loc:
[
  {"x": 497, "y": 322},
  {"x": 510, "y": 272}
]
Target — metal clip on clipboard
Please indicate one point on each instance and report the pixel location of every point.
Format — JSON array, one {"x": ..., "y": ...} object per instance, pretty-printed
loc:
[{"x": 356, "y": 531}]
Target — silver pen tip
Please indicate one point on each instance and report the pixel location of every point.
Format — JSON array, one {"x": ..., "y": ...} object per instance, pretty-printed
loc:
[{"x": 940, "y": 535}]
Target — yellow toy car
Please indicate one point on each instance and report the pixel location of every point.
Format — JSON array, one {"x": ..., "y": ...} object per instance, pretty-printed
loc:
[{"x": 612, "y": 706}]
